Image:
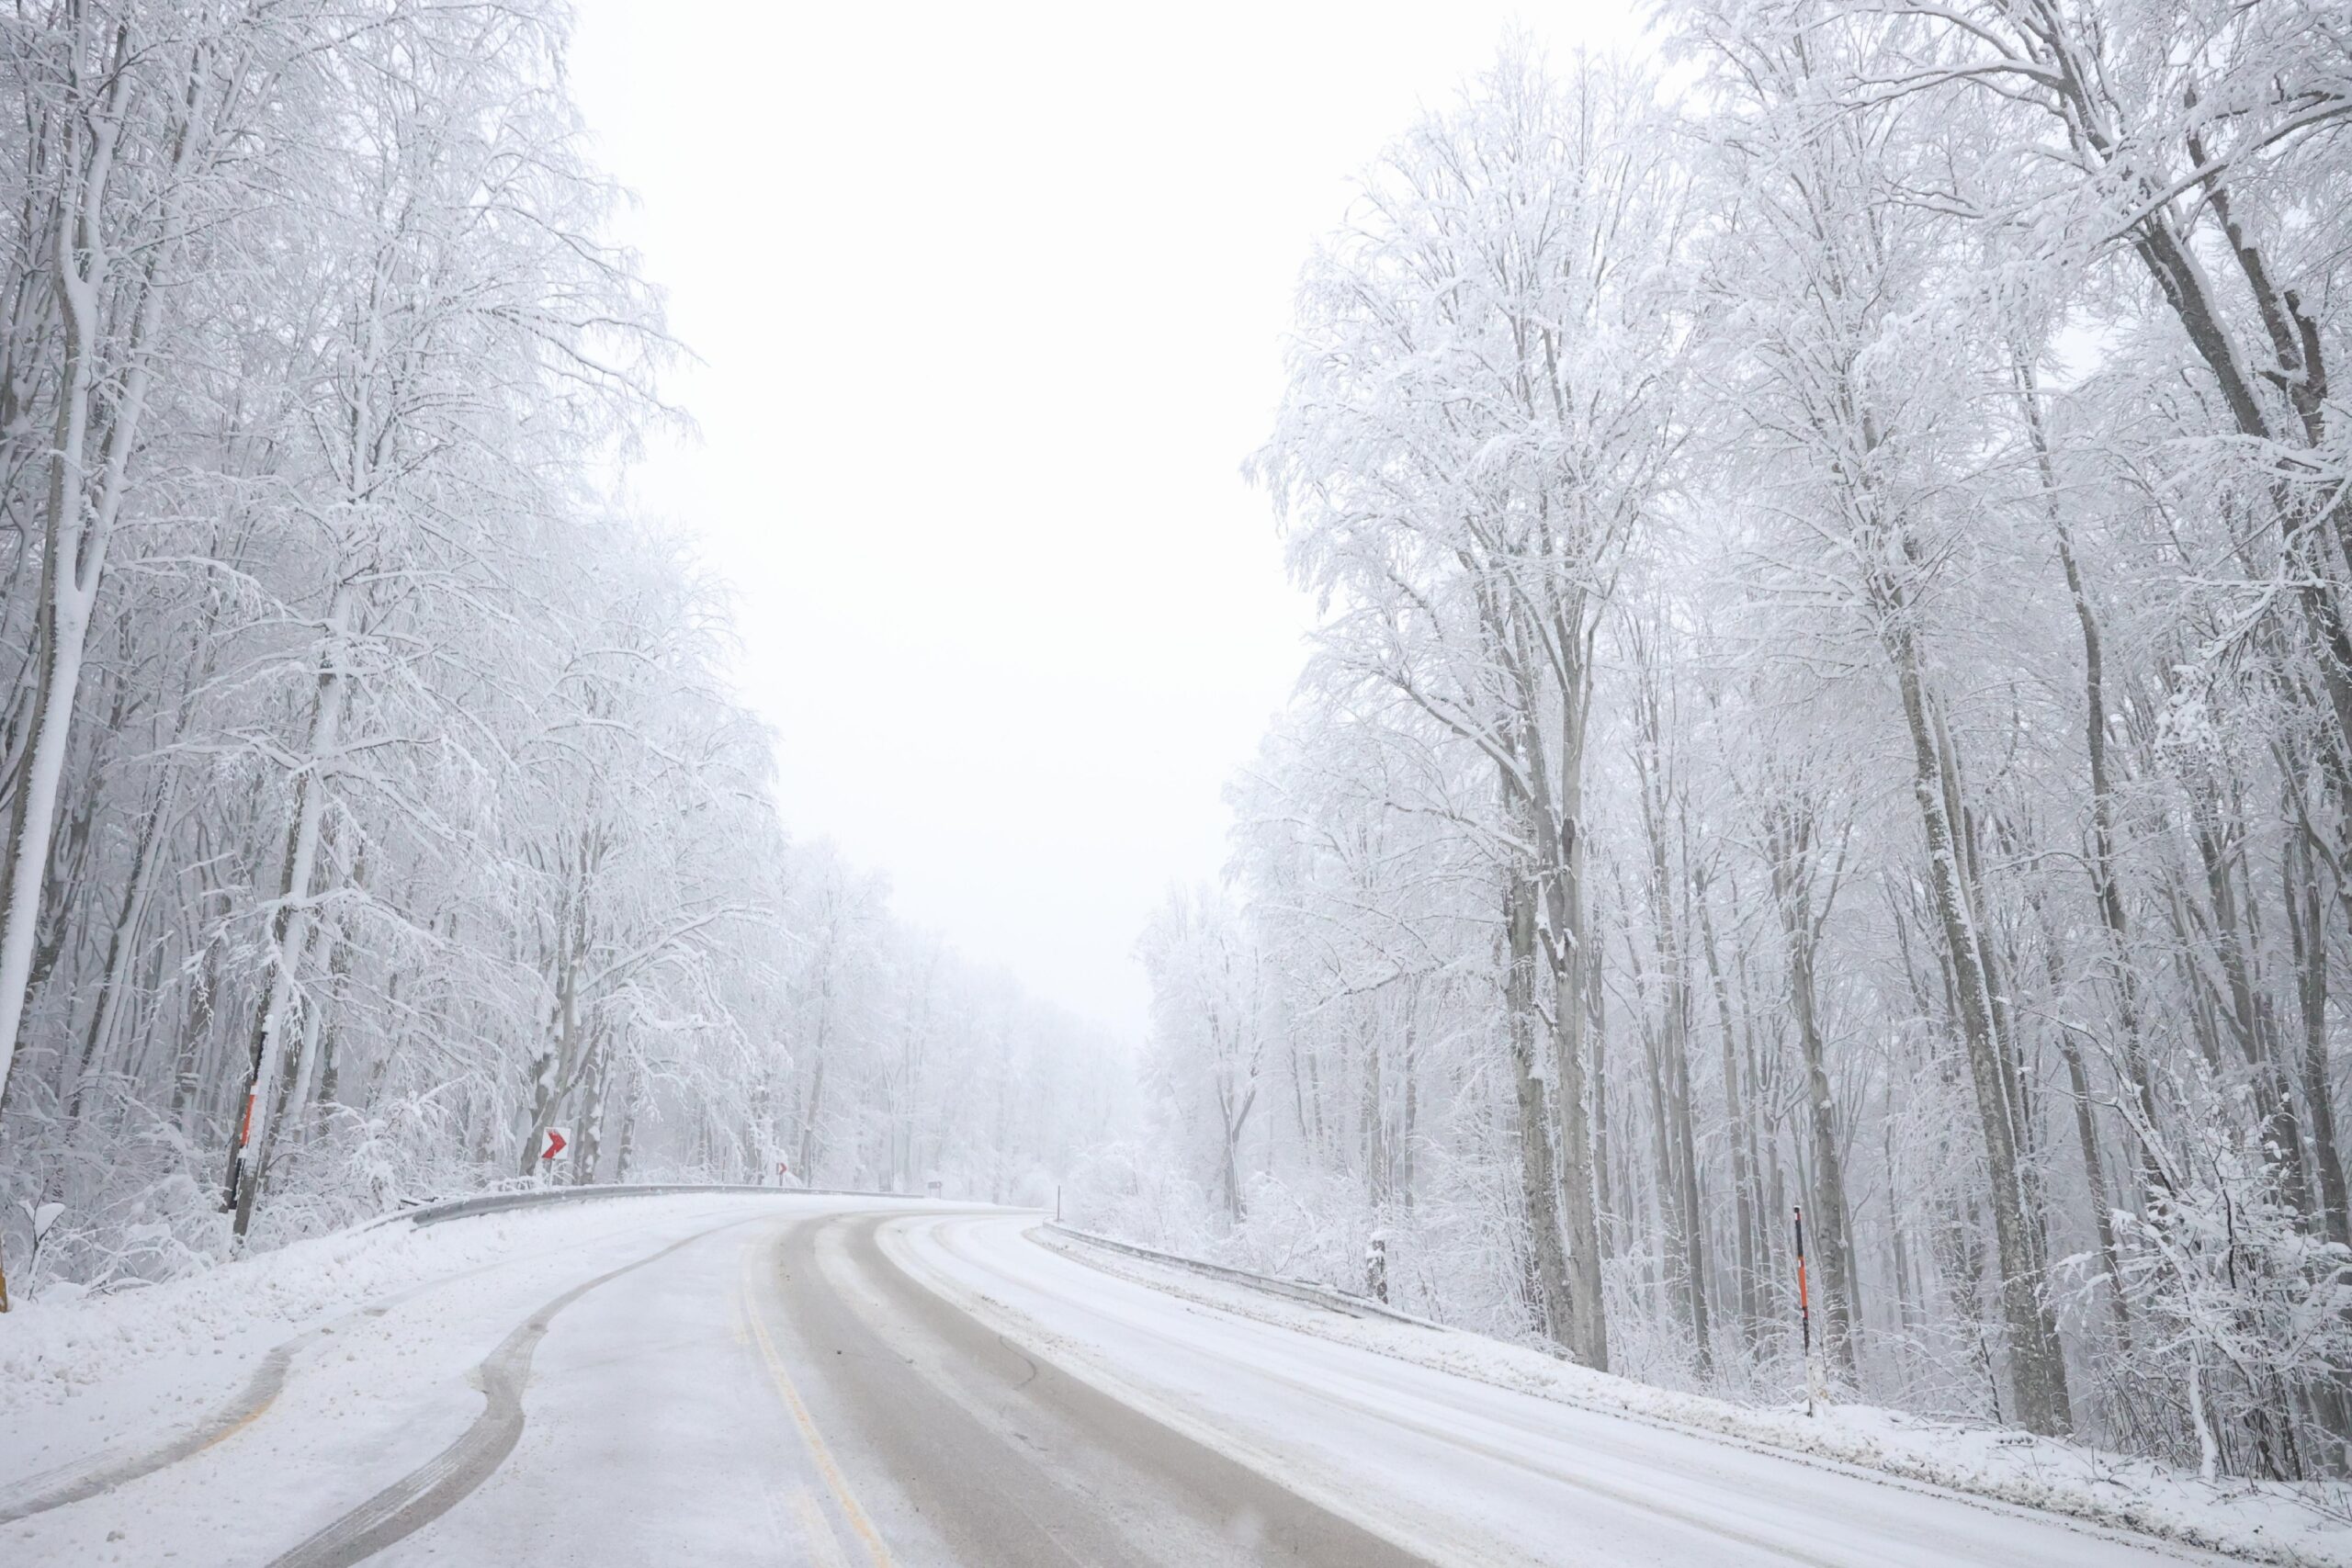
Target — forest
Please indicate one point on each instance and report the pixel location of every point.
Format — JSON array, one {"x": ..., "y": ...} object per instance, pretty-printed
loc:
[
  {"x": 1831, "y": 540},
  {"x": 1834, "y": 688},
  {"x": 376, "y": 798}
]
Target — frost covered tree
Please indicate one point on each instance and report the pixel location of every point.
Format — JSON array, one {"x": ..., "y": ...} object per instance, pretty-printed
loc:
[
  {"x": 376, "y": 800},
  {"x": 1480, "y": 421},
  {"x": 1208, "y": 1019},
  {"x": 1830, "y": 694}
]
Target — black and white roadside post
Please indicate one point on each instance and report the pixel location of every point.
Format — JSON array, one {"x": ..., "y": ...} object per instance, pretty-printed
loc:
[{"x": 1805, "y": 1311}]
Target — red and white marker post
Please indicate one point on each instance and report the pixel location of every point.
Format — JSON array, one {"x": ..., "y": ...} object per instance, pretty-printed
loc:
[
  {"x": 553, "y": 1143},
  {"x": 1805, "y": 1311}
]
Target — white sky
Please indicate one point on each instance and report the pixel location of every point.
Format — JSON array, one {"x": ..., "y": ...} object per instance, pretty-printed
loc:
[{"x": 988, "y": 300}]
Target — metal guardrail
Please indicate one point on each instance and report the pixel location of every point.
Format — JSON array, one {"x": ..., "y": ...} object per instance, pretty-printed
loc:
[
  {"x": 1312, "y": 1292},
  {"x": 494, "y": 1202}
]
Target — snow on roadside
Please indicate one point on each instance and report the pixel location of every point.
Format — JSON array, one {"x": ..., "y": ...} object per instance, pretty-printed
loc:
[
  {"x": 51, "y": 1349},
  {"x": 82, "y": 1377},
  {"x": 2264, "y": 1522}
]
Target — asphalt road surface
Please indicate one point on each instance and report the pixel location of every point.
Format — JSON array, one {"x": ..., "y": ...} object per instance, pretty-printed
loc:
[{"x": 840, "y": 1382}]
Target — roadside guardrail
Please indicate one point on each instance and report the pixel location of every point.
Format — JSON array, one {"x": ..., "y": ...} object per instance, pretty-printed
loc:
[
  {"x": 1312, "y": 1292},
  {"x": 492, "y": 1203}
]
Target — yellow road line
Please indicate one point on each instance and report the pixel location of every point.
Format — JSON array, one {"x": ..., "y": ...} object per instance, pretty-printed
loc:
[
  {"x": 817, "y": 1449},
  {"x": 822, "y": 1545}
]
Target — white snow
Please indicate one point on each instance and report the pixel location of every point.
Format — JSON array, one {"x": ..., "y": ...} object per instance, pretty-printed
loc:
[
  {"x": 998, "y": 1271},
  {"x": 1466, "y": 1449},
  {"x": 84, "y": 1382}
]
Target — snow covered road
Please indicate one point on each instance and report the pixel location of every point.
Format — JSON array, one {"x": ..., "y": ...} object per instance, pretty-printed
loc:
[{"x": 836, "y": 1381}]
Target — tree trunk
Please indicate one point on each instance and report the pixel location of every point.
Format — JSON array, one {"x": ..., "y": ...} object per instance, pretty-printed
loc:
[
  {"x": 1569, "y": 1200},
  {"x": 1538, "y": 1172},
  {"x": 2106, "y": 880},
  {"x": 1791, "y": 837},
  {"x": 122, "y": 939},
  {"x": 2036, "y": 1371},
  {"x": 1746, "y": 1265},
  {"x": 291, "y": 924},
  {"x": 78, "y": 527}
]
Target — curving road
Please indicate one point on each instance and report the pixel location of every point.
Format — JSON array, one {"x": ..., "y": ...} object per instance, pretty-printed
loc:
[{"x": 839, "y": 1383}]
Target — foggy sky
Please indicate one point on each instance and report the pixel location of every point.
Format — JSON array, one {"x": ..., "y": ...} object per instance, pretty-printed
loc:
[{"x": 988, "y": 310}]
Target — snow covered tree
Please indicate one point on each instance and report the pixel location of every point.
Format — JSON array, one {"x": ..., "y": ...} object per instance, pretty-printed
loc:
[{"x": 1481, "y": 419}]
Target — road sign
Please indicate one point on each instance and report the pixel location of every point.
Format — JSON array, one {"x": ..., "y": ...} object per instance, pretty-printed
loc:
[{"x": 554, "y": 1144}]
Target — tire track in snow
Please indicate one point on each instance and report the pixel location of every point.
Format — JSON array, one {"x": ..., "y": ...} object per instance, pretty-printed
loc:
[
  {"x": 450, "y": 1477},
  {"x": 999, "y": 1488},
  {"x": 957, "y": 1242},
  {"x": 77, "y": 1481},
  {"x": 1711, "y": 1522},
  {"x": 261, "y": 1391}
]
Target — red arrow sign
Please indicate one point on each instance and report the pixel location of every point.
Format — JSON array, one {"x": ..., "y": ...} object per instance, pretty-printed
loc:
[{"x": 555, "y": 1145}]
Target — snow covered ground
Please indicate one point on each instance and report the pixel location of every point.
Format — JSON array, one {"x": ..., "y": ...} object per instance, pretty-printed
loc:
[
  {"x": 829, "y": 1381},
  {"x": 2271, "y": 1523},
  {"x": 384, "y": 1328},
  {"x": 1519, "y": 1444}
]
